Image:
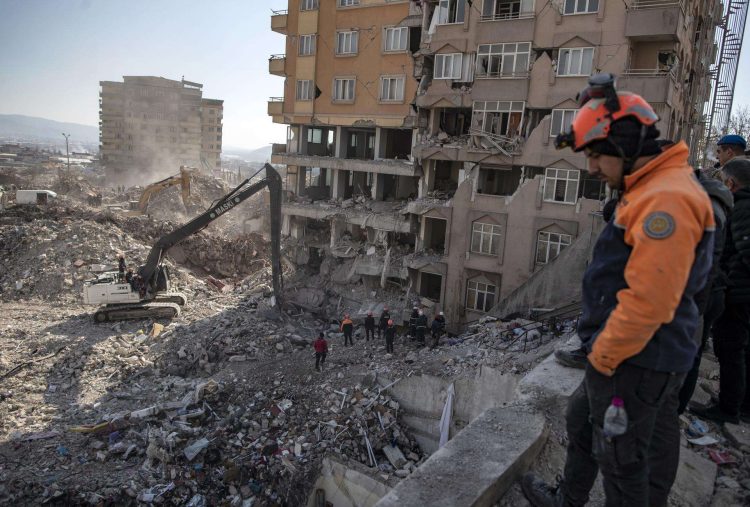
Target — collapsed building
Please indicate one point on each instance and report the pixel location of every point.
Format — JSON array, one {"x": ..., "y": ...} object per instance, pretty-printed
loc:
[{"x": 420, "y": 134}]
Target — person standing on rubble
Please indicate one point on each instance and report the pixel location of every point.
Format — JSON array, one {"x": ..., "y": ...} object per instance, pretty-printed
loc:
[
  {"x": 437, "y": 328},
  {"x": 385, "y": 316},
  {"x": 421, "y": 326},
  {"x": 639, "y": 312},
  {"x": 321, "y": 351},
  {"x": 369, "y": 326},
  {"x": 390, "y": 336},
  {"x": 121, "y": 265},
  {"x": 413, "y": 322},
  {"x": 347, "y": 326}
]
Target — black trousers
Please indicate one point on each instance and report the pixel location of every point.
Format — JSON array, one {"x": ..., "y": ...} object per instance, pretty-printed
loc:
[
  {"x": 389, "y": 344},
  {"x": 713, "y": 311},
  {"x": 369, "y": 333},
  {"x": 436, "y": 338},
  {"x": 731, "y": 336},
  {"x": 348, "y": 337},
  {"x": 639, "y": 466},
  {"x": 320, "y": 358},
  {"x": 420, "y": 334}
]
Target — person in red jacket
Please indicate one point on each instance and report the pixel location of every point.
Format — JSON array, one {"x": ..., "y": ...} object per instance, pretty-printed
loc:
[{"x": 321, "y": 350}]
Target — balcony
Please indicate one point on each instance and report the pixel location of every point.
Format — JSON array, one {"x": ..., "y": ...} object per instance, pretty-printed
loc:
[
  {"x": 656, "y": 86},
  {"x": 275, "y": 106},
  {"x": 277, "y": 65},
  {"x": 655, "y": 20},
  {"x": 279, "y": 21}
]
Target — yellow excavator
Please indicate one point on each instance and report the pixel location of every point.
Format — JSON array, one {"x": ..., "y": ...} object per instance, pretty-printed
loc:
[{"x": 140, "y": 206}]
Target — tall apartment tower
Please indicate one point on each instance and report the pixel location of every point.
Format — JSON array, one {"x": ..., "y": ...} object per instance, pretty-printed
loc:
[
  {"x": 152, "y": 125},
  {"x": 420, "y": 138}
]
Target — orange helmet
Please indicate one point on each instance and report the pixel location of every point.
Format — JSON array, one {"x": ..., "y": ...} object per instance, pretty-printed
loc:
[{"x": 600, "y": 106}]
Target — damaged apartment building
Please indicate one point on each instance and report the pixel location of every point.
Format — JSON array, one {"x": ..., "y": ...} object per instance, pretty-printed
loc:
[{"x": 420, "y": 133}]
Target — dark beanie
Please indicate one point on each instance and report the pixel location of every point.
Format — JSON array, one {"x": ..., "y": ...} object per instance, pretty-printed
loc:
[{"x": 626, "y": 133}]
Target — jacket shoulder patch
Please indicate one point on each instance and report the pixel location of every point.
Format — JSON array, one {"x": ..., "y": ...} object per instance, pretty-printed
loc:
[{"x": 659, "y": 225}]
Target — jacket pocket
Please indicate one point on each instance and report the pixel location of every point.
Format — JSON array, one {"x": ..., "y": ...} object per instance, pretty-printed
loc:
[{"x": 615, "y": 452}]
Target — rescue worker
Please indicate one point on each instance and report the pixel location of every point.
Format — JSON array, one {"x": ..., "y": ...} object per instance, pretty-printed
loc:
[
  {"x": 639, "y": 314},
  {"x": 129, "y": 278},
  {"x": 347, "y": 326},
  {"x": 421, "y": 326},
  {"x": 731, "y": 331},
  {"x": 413, "y": 322},
  {"x": 121, "y": 266},
  {"x": 321, "y": 351},
  {"x": 369, "y": 326},
  {"x": 437, "y": 328},
  {"x": 390, "y": 335},
  {"x": 728, "y": 148},
  {"x": 385, "y": 316}
]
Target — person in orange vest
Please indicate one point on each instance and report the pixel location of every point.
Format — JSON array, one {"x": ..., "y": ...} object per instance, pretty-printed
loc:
[{"x": 347, "y": 326}]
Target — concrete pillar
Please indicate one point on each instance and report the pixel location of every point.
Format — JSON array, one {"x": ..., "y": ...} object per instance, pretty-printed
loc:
[
  {"x": 378, "y": 186},
  {"x": 297, "y": 227},
  {"x": 286, "y": 225},
  {"x": 428, "y": 177},
  {"x": 340, "y": 143},
  {"x": 338, "y": 186},
  {"x": 299, "y": 187},
  {"x": 379, "y": 140},
  {"x": 360, "y": 181},
  {"x": 337, "y": 229},
  {"x": 434, "y": 124}
]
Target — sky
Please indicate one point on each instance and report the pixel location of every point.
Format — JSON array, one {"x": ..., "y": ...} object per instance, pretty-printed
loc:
[{"x": 53, "y": 53}]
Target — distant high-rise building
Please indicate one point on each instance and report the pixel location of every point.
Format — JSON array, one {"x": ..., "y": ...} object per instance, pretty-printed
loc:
[{"x": 151, "y": 124}]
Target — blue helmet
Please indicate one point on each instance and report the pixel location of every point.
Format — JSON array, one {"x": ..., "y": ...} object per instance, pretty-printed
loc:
[{"x": 733, "y": 139}]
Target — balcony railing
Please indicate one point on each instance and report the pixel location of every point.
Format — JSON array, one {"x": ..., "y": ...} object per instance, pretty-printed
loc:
[
  {"x": 277, "y": 65},
  {"x": 504, "y": 16},
  {"x": 655, "y": 4},
  {"x": 275, "y": 106},
  {"x": 501, "y": 75},
  {"x": 279, "y": 21}
]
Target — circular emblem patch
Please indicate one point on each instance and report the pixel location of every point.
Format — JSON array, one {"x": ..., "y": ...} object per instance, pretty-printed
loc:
[{"x": 658, "y": 225}]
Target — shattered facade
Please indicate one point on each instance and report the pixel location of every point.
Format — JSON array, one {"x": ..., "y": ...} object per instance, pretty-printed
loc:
[
  {"x": 420, "y": 138},
  {"x": 153, "y": 125}
]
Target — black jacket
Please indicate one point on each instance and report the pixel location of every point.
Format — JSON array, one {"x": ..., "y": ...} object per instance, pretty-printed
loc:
[
  {"x": 390, "y": 332},
  {"x": 384, "y": 318},
  {"x": 735, "y": 260},
  {"x": 421, "y": 322},
  {"x": 369, "y": 322}
]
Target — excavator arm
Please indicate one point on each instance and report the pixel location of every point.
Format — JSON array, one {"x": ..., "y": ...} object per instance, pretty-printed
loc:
[
  {"x": 182, "y": 179},
  {"x": 150, "y": 271}
]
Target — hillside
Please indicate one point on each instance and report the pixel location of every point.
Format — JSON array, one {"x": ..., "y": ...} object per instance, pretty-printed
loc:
[{"x": 29, "y": 128}]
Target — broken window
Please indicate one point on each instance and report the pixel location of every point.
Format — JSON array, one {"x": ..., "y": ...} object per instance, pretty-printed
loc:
[
  {"x": 430, "y": 285},
  {"x": 575, "y": 62},
  {"x": 498, "y": 180},
  {"x": 451, "y": 11},
  {"x": 455, "y": 122},
  {"x": 485, "y": 238},
  {"x": 434, "y": 234},
  {"x": 581, "y": 6},
  {"x": 395, "y": 38},
  {"x": 562, "y": 119},
  {"x": 550, "y": 244},
  {"x": 503, "y": 60},
  {"x": 498, "y": 117},
  {"x": 392, "y": 88},
  {"x": 561, "y": 185},
  {"x": 446, "y": 176},
  {"x": 480, "y": 296},
  {"x": 448, "y": 66}
]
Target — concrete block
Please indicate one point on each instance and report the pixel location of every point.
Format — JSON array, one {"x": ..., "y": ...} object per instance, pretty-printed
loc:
[
  {"x": 708, "y": 368},
  {"x": 549, "y": 379},
  {"x": 694, "y": 484},
  {"x": 479, "y": 464},
  {"x": 738, "y": 434}
]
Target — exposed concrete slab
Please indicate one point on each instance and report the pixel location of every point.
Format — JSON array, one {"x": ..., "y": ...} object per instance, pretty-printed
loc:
[
  {"x": 347, "y": 485},
  {"x": 479, "y": 464},
  {"x": 739, "y": 434},
  {"x": 694, "y": 484},
  {"x": 549, "y": 379},
  {"x": 395, "y": 167}
]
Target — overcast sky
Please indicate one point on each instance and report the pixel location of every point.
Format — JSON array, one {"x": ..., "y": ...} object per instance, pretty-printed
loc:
[{"x": 53, "y": 53}]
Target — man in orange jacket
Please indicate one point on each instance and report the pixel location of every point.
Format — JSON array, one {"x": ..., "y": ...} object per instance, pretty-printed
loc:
[
  {"x": 347, "y": 326},
  {"x": 639, "y": 313}
]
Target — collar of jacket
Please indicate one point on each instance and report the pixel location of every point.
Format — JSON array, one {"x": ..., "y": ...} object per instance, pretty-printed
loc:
[
  {"x": 673, "y": 158},
  {"x": 742, "y": 194}
]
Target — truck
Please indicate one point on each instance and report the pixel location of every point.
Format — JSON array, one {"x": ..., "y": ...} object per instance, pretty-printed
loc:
[
  {"x": 149, "y": 294},
  {"x": 40, "y": 197}
]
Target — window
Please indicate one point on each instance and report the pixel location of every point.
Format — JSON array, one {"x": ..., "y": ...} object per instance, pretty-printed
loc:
[
  {"x": 575, "y": 62},
  {"x": 395, "y": 39},
  {"x": 581, "y": 6},
  {"x": 346, "y": 43},
  {"x": 307, "y": 45},
  {"x": 392, "y": 88},
  {"x": 550, "y": 244},
  {"x": 343, "y": 89},
  {"x": 348, "y": 3},
  {"x": 448, "y": 66},
  {"x": 304, "y": 89},
  {"x": 451, "y": 11},
  {"x": 503, "y": 60},
  {"x": 561, "y": 121},
  {"x": 561, "y": 185},
  {"x": 485, "y": 238},
  {"x": 480, "y": 296},
  {"x": 308, "y": 5},
  {"x": 498, "y": 117},
  {"x": 507, "y": 9}
]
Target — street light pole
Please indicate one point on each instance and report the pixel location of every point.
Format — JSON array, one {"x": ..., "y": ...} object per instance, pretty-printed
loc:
[{"x": 67, "y": 152}]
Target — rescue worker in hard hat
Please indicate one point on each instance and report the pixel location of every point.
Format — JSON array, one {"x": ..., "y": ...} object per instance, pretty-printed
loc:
[{"x": 639, "y": 315}]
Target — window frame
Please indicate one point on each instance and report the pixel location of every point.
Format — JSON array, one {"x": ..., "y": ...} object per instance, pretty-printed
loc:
[
  {"x": 353, "y": 41},
  {"x": 562, "y": 111},
  {"x": 397, "y": 78},
  {"x": 403, "y": 29},
  {"x": 347, "y": 3},
  {"x": 512, "y": 108},
  {"x": 452, "y": 56},
  {"x": 311, "y": 46},
  {"x": 576, "y": 12},
  {"x": 304, "y": 5},
  {"x": 448, "y": 2},
  {"x": 568, "y": 60},
  {"x": 555, "y": 178},
  {"x": 559, "y": 244},
  {"x": 298, "y": 96},
  {"x": 522, "y": 14},
  {"x": 354, "y": 89},
  {"x": 480, "y": 287},
  {"x": 515, "y": 74},
  {"x": 494, "y": 231}
]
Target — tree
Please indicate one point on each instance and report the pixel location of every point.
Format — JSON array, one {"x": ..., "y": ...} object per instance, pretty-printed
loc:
[{"x": 739, "y": 122}]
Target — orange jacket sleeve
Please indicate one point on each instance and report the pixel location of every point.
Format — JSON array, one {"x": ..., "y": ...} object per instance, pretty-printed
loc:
[{"x": 663, "y": 232}]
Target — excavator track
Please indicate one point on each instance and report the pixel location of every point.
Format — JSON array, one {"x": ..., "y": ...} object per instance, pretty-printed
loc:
[
  {"x": 172, "y": 297},
  {"x": 150, "y": 310}
]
